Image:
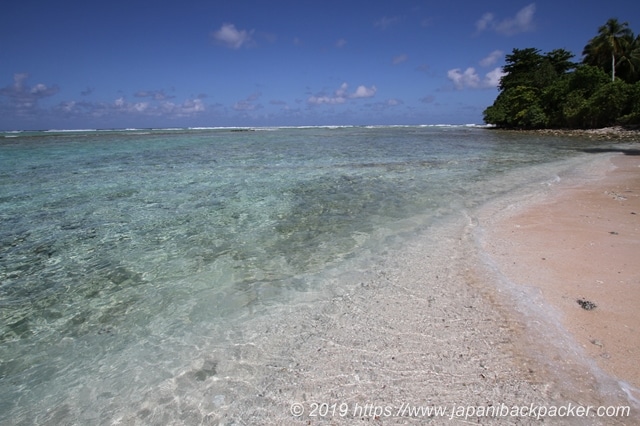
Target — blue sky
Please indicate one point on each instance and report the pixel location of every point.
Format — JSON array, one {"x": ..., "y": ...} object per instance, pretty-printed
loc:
[{"x": 195, "y": 63}]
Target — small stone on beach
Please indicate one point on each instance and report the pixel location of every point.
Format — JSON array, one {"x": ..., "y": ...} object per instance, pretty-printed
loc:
[{"x": 586, "y": 305}]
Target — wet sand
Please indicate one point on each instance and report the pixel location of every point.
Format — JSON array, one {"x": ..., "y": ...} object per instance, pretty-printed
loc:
[{"x": 580, "y": 247}]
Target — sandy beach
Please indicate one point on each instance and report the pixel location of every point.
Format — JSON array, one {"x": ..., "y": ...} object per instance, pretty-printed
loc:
[
  {"x": 579, "y": 247},
  {"x": 478, "y": 316}
]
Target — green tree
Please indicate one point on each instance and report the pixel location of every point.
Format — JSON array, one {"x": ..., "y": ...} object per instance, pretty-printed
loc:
[
  {"x": 549, "y": 90},
  {"x": 608, "y": 103},
  {"x": 553, "y": 98},
  {"x": 520, "y": 68},
  {"x": 517, "y": 107},
  {"x": 560, "y": 59},
  {"x": 610, "y": 43},
  {"x": 528, "y": 73},
  {"x": 633, "y": 117},
  {"x": 574, "y": 110},
  {"x": 629, "y": 61},
  {"x": 587, "y": 79}
]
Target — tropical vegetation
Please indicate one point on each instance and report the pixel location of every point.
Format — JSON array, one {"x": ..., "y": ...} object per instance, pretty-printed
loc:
[{"x": 548, "y": 90}]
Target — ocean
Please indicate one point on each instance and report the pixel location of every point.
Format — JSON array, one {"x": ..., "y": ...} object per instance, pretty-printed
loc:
[{"x": 134, "y": 263}]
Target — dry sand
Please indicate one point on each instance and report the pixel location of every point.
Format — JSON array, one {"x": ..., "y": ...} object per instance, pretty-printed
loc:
[{"x": 581, "y": 243}]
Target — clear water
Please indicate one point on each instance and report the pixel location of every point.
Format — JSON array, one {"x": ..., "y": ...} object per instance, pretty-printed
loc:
[{"x": 127, "y": 255}]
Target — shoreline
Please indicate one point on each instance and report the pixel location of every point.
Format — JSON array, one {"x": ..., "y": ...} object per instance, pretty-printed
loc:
[
  {"x": 422, "y": 325},
  {"x": 615, "y": 133},
  {"x": 430, "y": 326},
  {"x": 573, "y": 251}
]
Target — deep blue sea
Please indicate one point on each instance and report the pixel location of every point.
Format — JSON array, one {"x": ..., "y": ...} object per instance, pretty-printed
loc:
[{"x": 127, "y": 255}]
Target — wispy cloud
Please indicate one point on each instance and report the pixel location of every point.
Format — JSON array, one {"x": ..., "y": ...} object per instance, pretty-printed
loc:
[
  {"x": 229, "y": 36},
  {"x": 521, "y": 22},
  {"x": 248, "y": 104},
  {"x": 97, "y": 110},
  {"x": 341, "y": 95},
  {"x": 399, "y": 59},
  {"x": 491, "y": 59},
  {"x": 341, "y": 43},
  {"x": 485, "y": 22},
  {"x": 386, "y": 22},
  {"x": 157, "y": 95},
  {"x": 21, "y": 103},
  {"x": 423, "y": 68},
  {"x": 22, "y": 98},
  {"x": 383, "y": 106}
]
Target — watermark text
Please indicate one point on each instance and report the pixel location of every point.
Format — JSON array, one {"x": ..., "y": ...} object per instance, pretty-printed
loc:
[{"x": 375, "y": 411}]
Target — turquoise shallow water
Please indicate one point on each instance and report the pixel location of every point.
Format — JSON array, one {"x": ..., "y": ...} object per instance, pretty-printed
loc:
[{"x": 125, "y": 254}]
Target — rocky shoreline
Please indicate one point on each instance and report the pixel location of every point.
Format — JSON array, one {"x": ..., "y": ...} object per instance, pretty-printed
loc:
[{"x": 617, "y": 133}]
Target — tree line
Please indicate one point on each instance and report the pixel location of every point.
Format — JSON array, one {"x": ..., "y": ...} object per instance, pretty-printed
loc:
[{"x": 549, "y": 90}]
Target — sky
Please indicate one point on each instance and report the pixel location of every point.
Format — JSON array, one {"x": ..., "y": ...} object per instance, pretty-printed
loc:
[{"x": 79, "y": 64}]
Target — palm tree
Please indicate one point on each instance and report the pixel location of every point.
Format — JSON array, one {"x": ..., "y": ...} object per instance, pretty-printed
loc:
[
  {"x": 629, "y": 61},
  {"x": 611, "y": 42}
]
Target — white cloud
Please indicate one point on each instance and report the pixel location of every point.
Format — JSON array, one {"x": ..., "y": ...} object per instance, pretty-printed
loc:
[
  {"x": 341, "y": 43},
  {"x": 188, "y": 107},
  {"x": 470, "y": 78},
  {"x": 522, "y": 22},
  {"x": 141, "y": 106},
  {"x": 18, "y": 80},
  {"x": 38, "y": 88},
  {"x": 491, "y": 59},
  {"x": 330, "y": 100},
  {"x": 342, "y": 91},
  {"x": 138, "y": 110},
  {"x": 364, "y": 92},
  {"x": 191, "y": 106},
  {"x": 400, "y": 59},
  {"x": 492, "y": 79},
  {"x": 341, "y": 95},
  {"x": 228, "y": 35},
  {"x": 484, "y": 22}
]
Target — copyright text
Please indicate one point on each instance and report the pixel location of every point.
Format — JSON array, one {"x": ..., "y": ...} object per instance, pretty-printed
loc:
[{"x": 451, "y": 412}]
